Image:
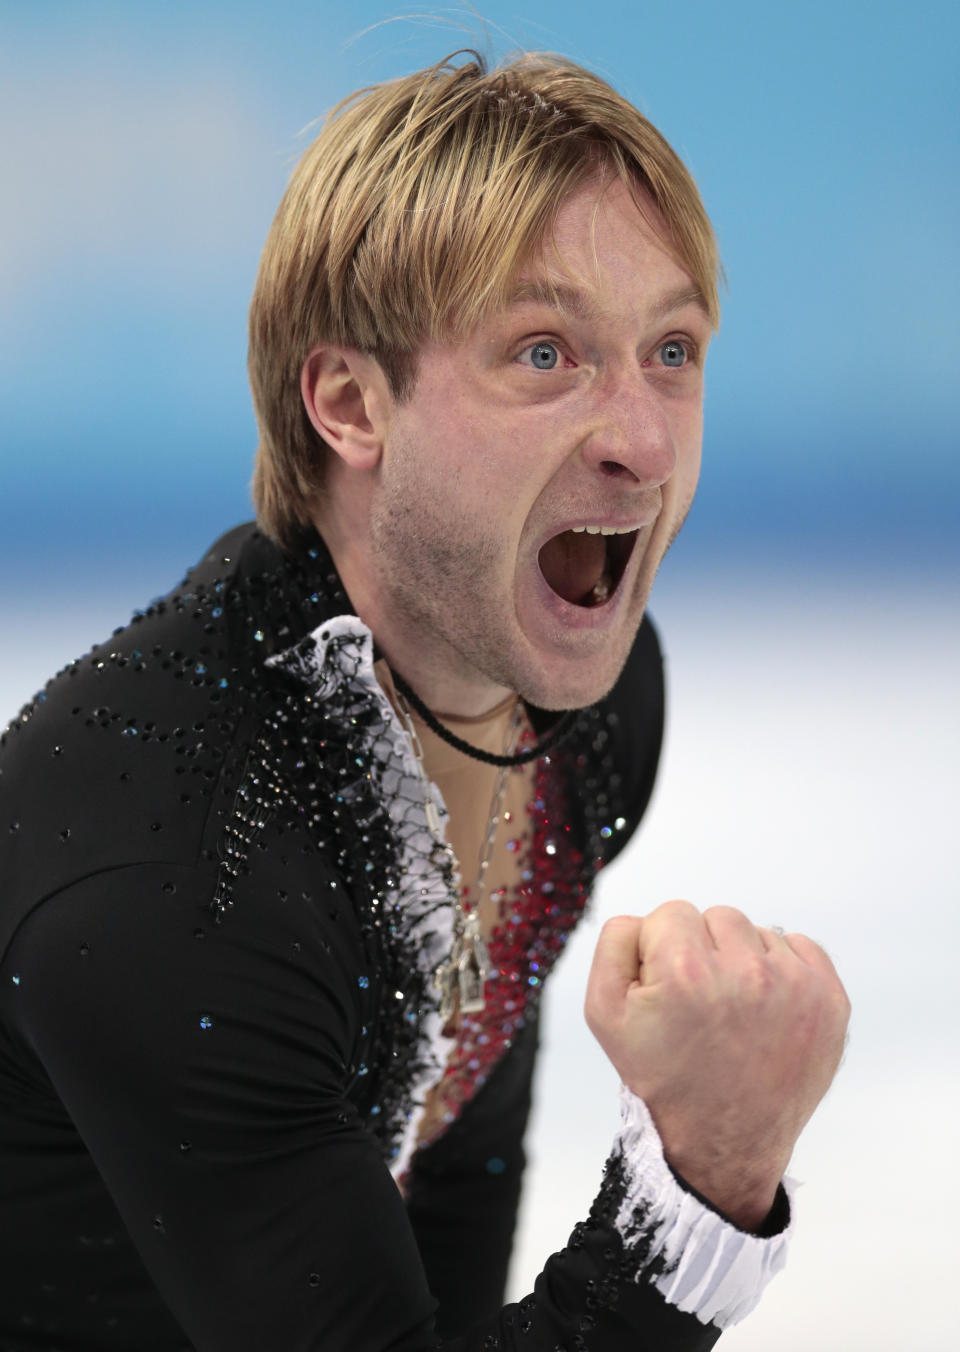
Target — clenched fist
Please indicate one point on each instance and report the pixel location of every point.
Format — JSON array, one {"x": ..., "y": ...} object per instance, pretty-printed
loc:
[{"x": 730, "y": 1033}]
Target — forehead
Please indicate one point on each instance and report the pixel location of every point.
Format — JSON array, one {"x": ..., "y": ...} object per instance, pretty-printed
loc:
[
  {"x": 580, "y": 302},
  {"x": 606, "y": 246}
]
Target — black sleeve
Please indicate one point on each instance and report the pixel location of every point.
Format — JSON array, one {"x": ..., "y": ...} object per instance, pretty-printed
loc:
[
  {"x": 205, "y": 1069},
  {"x": 464, "y": 1190}
]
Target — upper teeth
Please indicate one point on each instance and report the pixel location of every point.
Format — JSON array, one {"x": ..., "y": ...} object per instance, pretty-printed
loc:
[{"x": 604, "y": 530}]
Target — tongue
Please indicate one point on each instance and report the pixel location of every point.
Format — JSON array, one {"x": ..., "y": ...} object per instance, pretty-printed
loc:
[{"x": 573, "y": 565}]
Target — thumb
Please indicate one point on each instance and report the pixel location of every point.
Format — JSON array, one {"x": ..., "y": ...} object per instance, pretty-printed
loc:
[{"x": 616, "y": 967}]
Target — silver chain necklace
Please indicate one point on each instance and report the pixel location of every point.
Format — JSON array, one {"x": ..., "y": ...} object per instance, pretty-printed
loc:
[{"x": 461, "y": 977}]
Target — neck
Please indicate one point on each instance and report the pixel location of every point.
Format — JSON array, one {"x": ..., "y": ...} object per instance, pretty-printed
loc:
[
  {"x": 444, "y": 681},
  {"x": 445, "y": 693}
]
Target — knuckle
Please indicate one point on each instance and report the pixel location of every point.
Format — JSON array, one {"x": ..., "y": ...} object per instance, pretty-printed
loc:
[
  {"x": 617, "y": 924},
  {"x": 677, "y": 907},
  {"x": 811, "y": 951},
  {"x": 618, "y": 934},
  {"x": 729, "y": 913},
  {"x": 757, "y": 978},
  {"x": 688, "y": 969}
]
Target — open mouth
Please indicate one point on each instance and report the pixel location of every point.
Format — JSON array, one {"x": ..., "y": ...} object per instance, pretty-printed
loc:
[{"x": 584, "y": 565}]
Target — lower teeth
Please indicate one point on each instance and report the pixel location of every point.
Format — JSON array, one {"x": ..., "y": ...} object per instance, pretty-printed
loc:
[{"x": 600, "y": 593}]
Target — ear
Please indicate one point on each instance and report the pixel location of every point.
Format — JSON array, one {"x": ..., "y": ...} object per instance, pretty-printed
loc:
[{"x": 340, "y": 389}]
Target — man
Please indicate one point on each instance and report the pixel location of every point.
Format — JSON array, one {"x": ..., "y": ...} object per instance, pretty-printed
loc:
[{"x": 288, "y": 859}]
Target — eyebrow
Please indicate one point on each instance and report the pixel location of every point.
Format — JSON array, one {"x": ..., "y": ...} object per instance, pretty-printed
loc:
[
  {"x": 556, "y": 296},
  {"x": 676, "y": 300},
  {"x": 572, "y": 300}
]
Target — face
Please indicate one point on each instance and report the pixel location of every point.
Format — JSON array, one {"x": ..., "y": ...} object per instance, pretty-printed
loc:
[{"x": 527, "y": 491}]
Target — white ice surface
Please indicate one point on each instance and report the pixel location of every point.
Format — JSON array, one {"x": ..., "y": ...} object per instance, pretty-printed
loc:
[{"x": 810, "y": 778}]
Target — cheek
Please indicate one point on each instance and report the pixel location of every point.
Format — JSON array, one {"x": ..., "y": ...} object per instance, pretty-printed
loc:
[
  {"x": 683, "y": 483},
  {"x": 499, "y": 473},
  {"x": 691, "y": 470},
  {"x": 480, "y": 459},
  {"x": 690, "y": 443}
]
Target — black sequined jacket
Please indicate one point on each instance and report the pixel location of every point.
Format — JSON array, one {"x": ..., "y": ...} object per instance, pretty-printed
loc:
[{"x": 218, "y": 917}]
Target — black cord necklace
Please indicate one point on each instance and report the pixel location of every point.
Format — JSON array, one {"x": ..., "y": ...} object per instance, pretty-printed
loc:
[{"x": 561, "y": 729}]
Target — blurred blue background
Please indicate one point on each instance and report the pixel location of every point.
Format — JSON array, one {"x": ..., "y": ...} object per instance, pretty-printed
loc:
[
  {"x": 809, "y": 611},
  {"x": 144, "y": 150}
]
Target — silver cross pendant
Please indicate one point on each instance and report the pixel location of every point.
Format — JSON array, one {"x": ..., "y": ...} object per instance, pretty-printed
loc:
[{"x": 461, "y": 978}]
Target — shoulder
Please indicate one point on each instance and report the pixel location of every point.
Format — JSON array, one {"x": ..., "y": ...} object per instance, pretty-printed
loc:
[
  {"x": 623, "y": 738},
  {"x": 134, "y": 753},
  {"x": 636, "y": 702}
]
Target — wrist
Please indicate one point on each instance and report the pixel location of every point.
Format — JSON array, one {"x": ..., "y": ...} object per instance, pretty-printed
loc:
[
  {"x": 697, "y": 1258},
  {"x": 738, "y": 1184},
  {"x": 754, "y": 1214}
]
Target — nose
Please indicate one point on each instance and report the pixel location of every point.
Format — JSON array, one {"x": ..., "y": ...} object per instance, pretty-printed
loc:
[{"x": 631, "y": 437}]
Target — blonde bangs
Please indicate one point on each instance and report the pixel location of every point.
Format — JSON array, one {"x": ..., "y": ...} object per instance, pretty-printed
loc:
[{"x": 410, "y": 217}]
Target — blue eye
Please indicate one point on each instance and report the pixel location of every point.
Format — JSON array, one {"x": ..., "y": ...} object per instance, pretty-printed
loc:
[
  {"x": 544, "y": 356},
  {"x": 673, "y": 353}
]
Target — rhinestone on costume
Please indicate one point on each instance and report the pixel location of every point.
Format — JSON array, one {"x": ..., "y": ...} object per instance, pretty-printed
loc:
[{"x": 206, "y": 1021}]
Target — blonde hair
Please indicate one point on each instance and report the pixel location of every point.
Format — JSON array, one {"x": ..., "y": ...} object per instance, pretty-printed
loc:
[{"x": 409, "y": 218}]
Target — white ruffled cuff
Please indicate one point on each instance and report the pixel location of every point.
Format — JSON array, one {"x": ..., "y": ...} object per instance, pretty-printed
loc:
[{"x": 699, "y": 1262}]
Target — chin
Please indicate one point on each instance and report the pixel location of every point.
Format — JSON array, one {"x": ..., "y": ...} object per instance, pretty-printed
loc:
[
  {"x": 571, "y": 690},
  {"x": 559, "y": 681}
]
